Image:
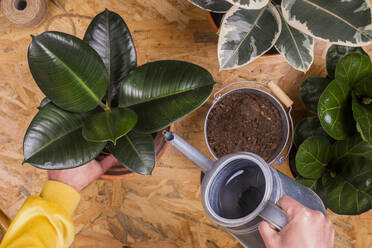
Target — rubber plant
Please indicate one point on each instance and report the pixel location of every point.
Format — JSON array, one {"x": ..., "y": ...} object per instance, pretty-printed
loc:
[
  {"x": 98, "y": 98},
  {"x": 334, "y": 154},
  {"x": 250, "y": 28}
]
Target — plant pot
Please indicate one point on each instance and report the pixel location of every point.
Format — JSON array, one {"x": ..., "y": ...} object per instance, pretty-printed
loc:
[
  {"x": 215, "y": 21},
  {"x": 119, "y": 171}
]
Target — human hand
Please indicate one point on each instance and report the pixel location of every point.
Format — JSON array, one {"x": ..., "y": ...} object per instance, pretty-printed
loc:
[
  {"x": 82, "y": 176},
  {"x": 306, "y": 228}
]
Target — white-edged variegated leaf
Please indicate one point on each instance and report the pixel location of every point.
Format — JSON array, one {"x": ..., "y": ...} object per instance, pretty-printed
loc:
[
  {"x": 249, "y": 4},
  {"x": 247, "y": 34},
  {"x": 218, "y": 6},
  {"x": 342, "y": 22},
  {"x": 295, "y": 46}
]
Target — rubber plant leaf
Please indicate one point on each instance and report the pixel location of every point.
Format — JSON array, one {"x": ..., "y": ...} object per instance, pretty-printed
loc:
[
  {"x": 295, "y": 46},
  {"x": 53, "y": 140},
  {"x": 249, "y": 4},
  {"x": 334, "y": 110},
  {"x": 136, "y": 151},
  {"x": 335, "y": 53},
  {"x": 110, "y": 37},
  {"x": 348, "y": 191},
  {"x": 246, "y": 34},
  {"x": 313, "y": 156},
  {"x": 338, "y": 21},
  {"x": 218, "y": 6},
  {"x": 164, "y": 91},
  {"x": 363, "y": 117},
  {"x": 309, "y": 126},
  {"x": 310, "y": 91},
  {"x": 109, "y": 125},
  {"x": 353, "y": 68},
  {"x": 68, "y": 71},
  {"x": 351, "y": 147}
]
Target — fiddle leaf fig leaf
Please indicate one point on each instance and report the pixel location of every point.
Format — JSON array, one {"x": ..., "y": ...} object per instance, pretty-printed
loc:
[
  {"x": 246, "y": 34},
  {"x": 110, "y": 37},
  {"x": 162, "y": 92},
  {"x": 109, "y": 125},
  {"x": 311, "y": 90},
  {"x": 136, "y": 151},
  {"x": 309, "y": 126},
  {"x": 363, "y": 87},
  {"x": 313, "y": 156},
  {"x": 218, "y": 6},
  {"x": 53, "y": 141},
  {"x": 249, "y": 4},
  {"x": 338, "y": 21},
  {"x": 351, "y": 147},
  {"x": 363, "y": 117},
  {"x": 353, "y": 67},
  {"x": 334, "y": 110},
  {"x": 335, "y": 53},
  {"x": 310, "y": 183},
  {"x": 68, "y": 71},
  {"x": 349, "y": 191},
  {"x": 295, "y": 46}
]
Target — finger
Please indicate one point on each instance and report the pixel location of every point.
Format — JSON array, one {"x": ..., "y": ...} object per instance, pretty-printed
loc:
[
  {"x": 108, "y": 162},
  {"x": 291, "y": 206},
  {"x": 268, "y": 234}
]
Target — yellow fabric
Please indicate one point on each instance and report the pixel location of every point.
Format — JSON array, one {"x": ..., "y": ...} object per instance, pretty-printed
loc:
[{"x": 44, "y": 221}]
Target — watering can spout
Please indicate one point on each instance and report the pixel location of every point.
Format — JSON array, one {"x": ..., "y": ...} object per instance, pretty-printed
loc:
[{"x": 190, "y": 152}]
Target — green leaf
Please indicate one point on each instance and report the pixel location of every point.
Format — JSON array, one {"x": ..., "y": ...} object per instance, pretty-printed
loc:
[
  {"x": 295, "y": 46},
  {"x": 68, "y": 71},
  {"x": 162, "y": 92},
  {"x": 351, "y": 147},
  {"x": 338, "y": 21},
  {"x": 309, "y": 126},
  {"x": 249, "y": 4},
  {"x": 313, "y": 156},
  {"x": 110, "y": 37},
  {"x": 310, "y": 183},
  {"x": 353, "y": 67},
  {"x": 335, "y": 53},
  {"x": 54, "y": 140},
  {"x": 219, "y": 6},
  {"x": 334, "y": 110},
  {"x": 136, "y": 151},
  {"x": 363, "y": 117},
  {"x": 44, "y": 102},
  {"x": 310, "y": 91},
  {"x": 349, "y": 191},
  {"x": 109, "y": 125},
  {"x": 363, "y": 87},
  {"x": 246, "y": 34}
]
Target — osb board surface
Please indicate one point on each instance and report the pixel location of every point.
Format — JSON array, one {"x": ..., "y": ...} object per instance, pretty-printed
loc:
[{"x": 162, "y": 210}]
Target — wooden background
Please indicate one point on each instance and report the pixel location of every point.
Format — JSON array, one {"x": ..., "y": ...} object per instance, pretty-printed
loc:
[{"x": 162, "y": 210}]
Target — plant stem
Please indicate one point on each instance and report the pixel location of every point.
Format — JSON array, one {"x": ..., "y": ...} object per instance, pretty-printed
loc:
[{"x": 102, "y": 105}]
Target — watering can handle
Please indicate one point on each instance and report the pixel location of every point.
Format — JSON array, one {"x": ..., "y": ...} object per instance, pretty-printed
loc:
[{"x": 275, "y": 215}]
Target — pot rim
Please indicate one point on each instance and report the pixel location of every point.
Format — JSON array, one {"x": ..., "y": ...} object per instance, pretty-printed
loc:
[{"x": 285, "y": 114}]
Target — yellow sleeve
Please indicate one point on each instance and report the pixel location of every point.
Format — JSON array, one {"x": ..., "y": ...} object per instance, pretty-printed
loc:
[{"x": 44, "y": 221}]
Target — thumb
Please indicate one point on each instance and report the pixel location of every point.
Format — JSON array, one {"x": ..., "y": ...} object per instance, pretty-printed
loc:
[{"x": 269, "y": 235}]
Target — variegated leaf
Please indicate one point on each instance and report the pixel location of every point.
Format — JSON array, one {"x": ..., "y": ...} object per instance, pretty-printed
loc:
[
  {"x": 295, "y": 46},
  {"x": 249, "y": 4},
  {"x": 247, "y": 34},
  {"x": 218, "y": 6},
  {"x": 342, "y": 22}
]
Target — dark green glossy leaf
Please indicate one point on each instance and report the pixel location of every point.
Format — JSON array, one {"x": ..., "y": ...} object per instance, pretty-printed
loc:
[
  {"x": 309, "y": 126},
  {"x": 310, "y": 183},
  {"x": 313, "y": 156},
  {"x": 353, "y": 67},
  {"x": 218, "y": 6},
  {"x": 44, "y": 102},
  {"x": 334, "y": 110},
  {"x": 335, "y": 53},
  {"x": 136, "y": 151},
  {"x": 164, "y": 91},
  {"x": 363, "y": 117},
  {"x": 54, "y": 140},
  {"x": 310, "y": 91},
  {"x": 351, "y": 147},
  {"x": 110, "y": 37},
  {"x": 349, "y": 191},
  {"x": 68, "y": 71},
  {"x": 109, "y": 125},
  {"x": 363, "y": 87}
]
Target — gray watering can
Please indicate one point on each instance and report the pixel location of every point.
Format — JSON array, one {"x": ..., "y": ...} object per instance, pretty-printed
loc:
[{"x": 241, "y": 189}]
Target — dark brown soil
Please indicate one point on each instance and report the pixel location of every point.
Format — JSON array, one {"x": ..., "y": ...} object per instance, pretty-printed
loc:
[{"x": 245, "y": 121}]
